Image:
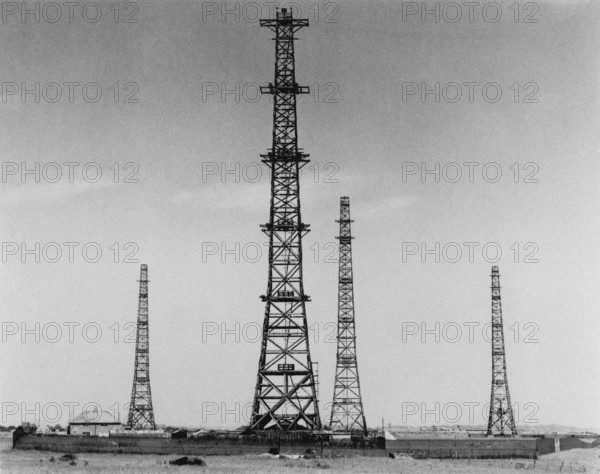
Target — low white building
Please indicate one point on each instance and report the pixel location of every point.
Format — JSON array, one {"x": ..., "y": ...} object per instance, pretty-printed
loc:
[{"x": 93, "y": 422}]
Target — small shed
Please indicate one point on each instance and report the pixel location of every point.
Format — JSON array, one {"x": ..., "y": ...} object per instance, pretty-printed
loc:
[
  {"x": 93, "y": 422},
  {"x": 179, "y": 434}
]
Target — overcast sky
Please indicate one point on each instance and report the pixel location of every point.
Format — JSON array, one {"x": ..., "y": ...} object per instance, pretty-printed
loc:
[{"x": 370, "y": 132}]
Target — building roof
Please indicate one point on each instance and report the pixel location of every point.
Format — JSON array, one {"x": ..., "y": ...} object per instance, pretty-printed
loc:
[{"x": 94, "y": 416}]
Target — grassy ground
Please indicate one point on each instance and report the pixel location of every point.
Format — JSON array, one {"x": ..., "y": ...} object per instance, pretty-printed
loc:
[{"x": 37, "y": 462}]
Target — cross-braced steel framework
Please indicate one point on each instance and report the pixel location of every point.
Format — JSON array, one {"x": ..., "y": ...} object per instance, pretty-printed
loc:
[
  {"x": 141, "y": 414},
  {"x": 347, "y": 411},
  {"x": 285, "y": 397},
  {"x": 501, "y": 420}
]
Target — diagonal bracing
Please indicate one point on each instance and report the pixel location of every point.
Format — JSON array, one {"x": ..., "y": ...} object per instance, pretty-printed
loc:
[
  {"x": 141, "y": 413},
  {"x": 347, "y": 413},
  {"x": 285, "y": 395},
  {"x": 501, "y": 419}
]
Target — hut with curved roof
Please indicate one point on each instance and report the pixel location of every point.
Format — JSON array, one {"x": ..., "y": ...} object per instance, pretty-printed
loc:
[{"x": 93, "y": 422}]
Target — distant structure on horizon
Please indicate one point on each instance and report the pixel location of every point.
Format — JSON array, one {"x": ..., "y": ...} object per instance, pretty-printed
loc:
[
  {"x": 141, "y": 413},
  {"x": 501, "y": 417},
  {"x": 285, "y": 397},
  {"x": 347, "y": 413}
]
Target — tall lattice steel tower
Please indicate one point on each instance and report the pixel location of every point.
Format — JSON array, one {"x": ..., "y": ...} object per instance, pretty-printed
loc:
[
  {"x": 141, "y": 414},
  {"x": 347, "y": 410},
  {"x": 285, "y": 397},
  {"x": 501, "y": 417}
]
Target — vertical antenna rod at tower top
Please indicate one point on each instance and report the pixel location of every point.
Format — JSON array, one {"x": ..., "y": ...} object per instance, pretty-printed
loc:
[
  {"x": 285, "y": 397},
  {"x": 347, "y": 413},
  {"x": 501, "y": 417},
  {"x": 141, "y": 414}
]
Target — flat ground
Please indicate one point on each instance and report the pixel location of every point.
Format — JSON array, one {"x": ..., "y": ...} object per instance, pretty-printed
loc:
[{"x": 17, "y": 461}]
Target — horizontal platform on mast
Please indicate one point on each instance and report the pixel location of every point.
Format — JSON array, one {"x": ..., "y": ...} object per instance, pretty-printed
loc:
[
  {"x": 279, "y": 157},
  {"x": 278, "y": 397},
  {"x": 285, "y": 21},
  {"x": 284, "y": 18},
  {"x": 285, "y": 227},
  {"x": 285, "y": 298},
  {"x": 285, "y": 372},
  {"x": 295, "y": 89}
]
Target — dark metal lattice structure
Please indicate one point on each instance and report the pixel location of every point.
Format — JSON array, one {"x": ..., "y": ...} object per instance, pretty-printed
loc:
[
  {"x": 285, "y": 397},
  {"x": 501, "y": 420},
  {"x": 141, "y": 414},
  {"x": 347, "y": 413}
]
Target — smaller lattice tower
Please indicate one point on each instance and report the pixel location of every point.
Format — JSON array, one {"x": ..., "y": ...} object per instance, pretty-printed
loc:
[
  {"x": 501, "y": 420},
  {"x": 347, "y": 411},
  {"x": 141, "y": 414}
]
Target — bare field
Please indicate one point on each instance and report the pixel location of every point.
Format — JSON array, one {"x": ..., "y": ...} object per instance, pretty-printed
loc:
[{"x": 37, "y": 462}]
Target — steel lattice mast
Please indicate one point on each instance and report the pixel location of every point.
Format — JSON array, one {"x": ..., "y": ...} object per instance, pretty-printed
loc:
[
  {"x": 141, "y": 414},
  {"x": 285, "y": 396},
  {"x": 501, "y": 417},
  {"x": 347, "y": 411}
]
